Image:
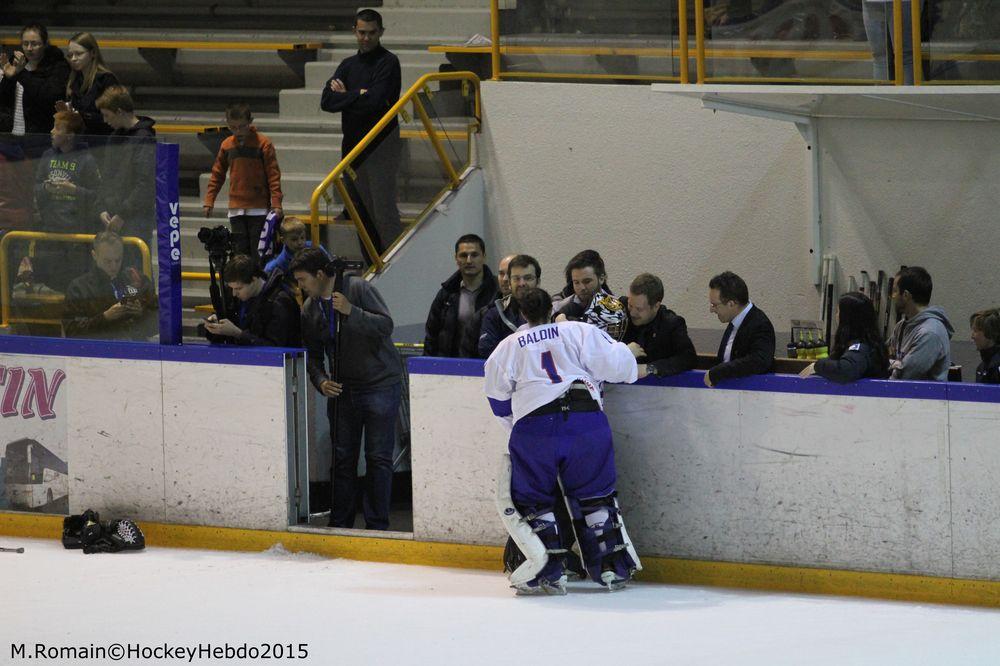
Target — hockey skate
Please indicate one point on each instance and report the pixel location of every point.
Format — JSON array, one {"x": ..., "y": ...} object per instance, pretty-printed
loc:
[
  {"x": 615, "y": 573},
  {"x": 538, "y": 586}
]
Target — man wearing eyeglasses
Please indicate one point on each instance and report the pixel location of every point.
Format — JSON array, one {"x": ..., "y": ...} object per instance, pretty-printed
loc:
[
  {"x": 747, "y": 347},
  {"x": 364, "y": 87}
]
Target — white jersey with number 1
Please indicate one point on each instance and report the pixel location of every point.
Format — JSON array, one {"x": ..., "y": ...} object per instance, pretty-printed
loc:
[{"x": 534, "y": 366}]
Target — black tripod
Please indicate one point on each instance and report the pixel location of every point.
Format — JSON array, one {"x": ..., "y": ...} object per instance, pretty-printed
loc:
[{"x": 336, "y": 268}]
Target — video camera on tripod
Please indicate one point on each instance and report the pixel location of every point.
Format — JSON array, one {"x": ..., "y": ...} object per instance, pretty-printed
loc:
[{"x": 218, "y": 242}]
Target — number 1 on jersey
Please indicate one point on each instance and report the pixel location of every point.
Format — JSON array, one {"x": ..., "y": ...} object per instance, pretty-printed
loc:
[{"x": 550, "y": 367}]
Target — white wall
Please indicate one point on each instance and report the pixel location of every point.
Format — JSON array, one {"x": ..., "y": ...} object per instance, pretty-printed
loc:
[
  {"x": 179, "y": 442},
  {"x": 654, "y": 183},
  {"x": 657, "y": 183},
  {"x": 833, "y": 480}
]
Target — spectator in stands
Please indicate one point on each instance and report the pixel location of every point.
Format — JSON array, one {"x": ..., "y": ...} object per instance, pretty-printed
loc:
[
  {"x": 254, "y": 179},
  {"x": 920, "y": 347},
  {"x": 747, "y": 346},
  {"x": 292, "y": 233},
  {"x": 504, "y": 316},
  {"x": 129, "y": 165},
  {"x": 110, "y": 301},
  {"x": 858, "y": 349},
  {"x": 468, "y": 290},
  {"x": 88, "y": 80},
  {"x": 363, "y": 88},
  {"x": 67, "y": 181},
  {"x": 470, "y": 338},
  {"x": 363, "y": 398},
  {"x": 266, "y": 315},
  {"x": 985, "y": 326},
  {"x": 657, "y": 336},
  {"x": 590, "y": 277},
  {"x": 34, "y": 79}
]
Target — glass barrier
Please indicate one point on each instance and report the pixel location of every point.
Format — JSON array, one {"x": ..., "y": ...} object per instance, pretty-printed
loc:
[
  {"x": 961, "y": 41},
  {"x": 77, "y": 225},
  {"x": 590, "y": 40},
  {"x": 397, "y": 179}
]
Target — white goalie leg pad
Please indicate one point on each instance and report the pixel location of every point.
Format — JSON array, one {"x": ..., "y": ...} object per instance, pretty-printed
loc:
[
  {"x": 629, "y": 548},
  {"x": 536, "y": 556}
]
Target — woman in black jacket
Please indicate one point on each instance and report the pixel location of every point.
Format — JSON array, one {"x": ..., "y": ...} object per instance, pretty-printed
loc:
[
  {"x": 858, "y": 350},
  {"x": 88, "y": 81},
  {"x": 42, "y": 72},
  {"x": 985, "y": 326}
]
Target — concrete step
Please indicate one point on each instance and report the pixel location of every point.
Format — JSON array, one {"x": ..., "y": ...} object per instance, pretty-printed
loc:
[
  {"x": 414, "y": 4},
  {"x": 304, "y": 102},
  {"x": 437, "y": 24},
  {"x": 332, "y": 16},
  {"x": 413, "y": 64},
  {"x": 298, "y": 188}
]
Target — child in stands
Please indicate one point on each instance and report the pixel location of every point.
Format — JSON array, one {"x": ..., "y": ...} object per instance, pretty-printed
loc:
[{"x": 249, "y": 159}]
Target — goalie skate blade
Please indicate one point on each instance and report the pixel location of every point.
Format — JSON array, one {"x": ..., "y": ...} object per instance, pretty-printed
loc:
[
  {"x": 11, "y": 550},
  {"x": 613, "y": 582},
  {"x": 556, "y": 589}
]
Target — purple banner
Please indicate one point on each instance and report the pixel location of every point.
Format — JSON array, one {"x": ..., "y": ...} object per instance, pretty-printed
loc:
[{"x": 168, "y": 241}]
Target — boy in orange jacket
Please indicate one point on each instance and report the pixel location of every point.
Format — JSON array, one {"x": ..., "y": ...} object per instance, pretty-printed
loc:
[{"x": 254, "y": 179}]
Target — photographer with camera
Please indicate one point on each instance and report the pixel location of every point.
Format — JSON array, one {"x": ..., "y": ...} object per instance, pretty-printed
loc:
[
  {"x": 347, "y": 328},
  {"x": 110, "y": 302},
  {"x": 266, "y": 313}
]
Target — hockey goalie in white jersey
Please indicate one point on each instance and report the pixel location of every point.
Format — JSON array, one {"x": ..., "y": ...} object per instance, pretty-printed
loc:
[{"x": 542, "y": 382}]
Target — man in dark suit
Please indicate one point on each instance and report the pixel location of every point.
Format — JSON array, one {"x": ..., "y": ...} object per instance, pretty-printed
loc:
[{"x": 747, "y": 347}]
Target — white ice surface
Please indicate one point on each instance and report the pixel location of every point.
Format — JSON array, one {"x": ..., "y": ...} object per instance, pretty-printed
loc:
[{"x": 364, "y": 613}]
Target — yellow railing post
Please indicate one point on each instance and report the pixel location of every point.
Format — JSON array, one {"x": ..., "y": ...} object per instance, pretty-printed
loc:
[
  {"x": 682, "y": 29},
  {"x": 495, "y": 38},
  {"x": 11, "y": 236},
  {"x": 449, "y": 168},
  {"x": 699, "y": 38},
  {"x": 333, "y": 177},
  {"x": 918, "y": 47},
  {"x": 897, "y": 40},
  {"x": 366, "y": 240}
]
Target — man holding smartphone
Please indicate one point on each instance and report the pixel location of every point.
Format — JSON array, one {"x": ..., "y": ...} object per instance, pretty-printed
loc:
[{"x": 110, "y": 302}]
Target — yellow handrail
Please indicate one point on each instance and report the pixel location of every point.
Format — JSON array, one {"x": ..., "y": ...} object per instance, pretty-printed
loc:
[
  {"x": 702, "y": 53},
  {"x": 333, "y": 178},
  {"x": 897, "y": 40},
  {"x": 495, "y": 38},
  {"x": 915, "y": 31},
  {"x": 11, "y": 236}
]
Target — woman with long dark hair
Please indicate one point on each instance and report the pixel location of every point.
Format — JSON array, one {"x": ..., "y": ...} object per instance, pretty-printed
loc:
[
  {"x": 858, "y": 350},
  {"x": 89, "y": 79}
]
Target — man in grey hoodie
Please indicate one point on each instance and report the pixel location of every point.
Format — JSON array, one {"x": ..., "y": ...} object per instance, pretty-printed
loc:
[{"x": 920, "y": 346}]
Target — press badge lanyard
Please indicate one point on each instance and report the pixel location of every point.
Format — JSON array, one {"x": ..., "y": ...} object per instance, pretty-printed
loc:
[{"x": 328, "y": 311}]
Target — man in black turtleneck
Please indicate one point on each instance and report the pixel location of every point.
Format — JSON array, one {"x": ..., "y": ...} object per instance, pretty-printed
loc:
[{"x": 364, "y": 87}]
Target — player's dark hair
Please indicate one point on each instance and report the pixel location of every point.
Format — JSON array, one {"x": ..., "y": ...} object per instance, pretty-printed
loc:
[
  {"x": 242, "y": 268},
  {"x": 987, "y": 321},
  {"x": 917, "y": 281},
  {"x": 536, "y": 306},
  {"x": 585, "y": 259},
  {"x": 523, "y": 261},
  {"x": 108, "y": 238},
  {"x": 238, "y": 111},
  {"x": 308, "y": 260},
  {"x": 648, "y": 285},
  {"x": 40, "y": 29},
  {"x": 858, "y": 323},
  {"x": 471, "y": 238},
  {"x": 368, "y": 16},
  {"x": 731, "y": 287}
]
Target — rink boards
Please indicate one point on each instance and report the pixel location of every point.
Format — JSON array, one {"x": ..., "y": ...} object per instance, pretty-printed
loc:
[
  {"x": 193, "y": 435},
  {"x": 875, "y": 476}
]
